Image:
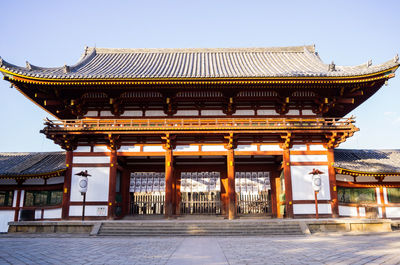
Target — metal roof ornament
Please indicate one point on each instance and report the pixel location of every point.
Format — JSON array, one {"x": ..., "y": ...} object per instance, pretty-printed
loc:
[
  {"x": 28, "y": 66},
  {"x": 396, "y": 58},
  {"x": 332, "y": 67},
  {"x": 1, "y": 61},
  {"x": 369, "y": 63},
  {"x": 66, "y": 69}
]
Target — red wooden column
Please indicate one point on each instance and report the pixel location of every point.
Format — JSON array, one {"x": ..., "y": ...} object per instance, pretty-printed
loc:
[
  {"x": 332, "y": 183},
  {"x": 169, "y": 178},
  {"x": 112, "y": 183},
  {"x": 272, "y": 177},
  {"x": 288, "y": 183},
  {"x": 177, "y": 191},
  {"x": 67, "y": 185},
  {"x": 231, "y": 184},
  {"x": 17, "y": 204},
  {"x": 125, "y": 185},
  {"x": 224, "y": 193},
  {"x": 383, "y": 204}
]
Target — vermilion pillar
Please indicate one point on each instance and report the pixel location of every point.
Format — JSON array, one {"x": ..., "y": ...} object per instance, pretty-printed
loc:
[
  {"x": 272, "y": 176},
  {"x": 112, "y": 184},
  {"x": 332, "y": 183},
  {"x": 231, "y": 184},
  {"x": 288, "y": 183},
  {"x": 169, "y": 178},
  {"x": 67, "y": 185}
]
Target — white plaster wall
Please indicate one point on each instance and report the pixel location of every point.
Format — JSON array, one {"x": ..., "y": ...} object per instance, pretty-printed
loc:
[
  {"x": 21, "y": 202},
  {"x": 5, "y": 217},
  {"x": 90, "y": 210},
  {"x": 378, "y": 198},
  {"x": 361, "y": 211},
  {"x": 133, "y": 148},
  {"x": 366, "y": 179},
  {"x": 393, "y": 212},
  {"x": 308, "y": 158},
  {"x": 212, "y": 113},
  {"x": 91, "y": 159},
  {"x": 82, "y": 149},
  {"x": 308, "y": 112},
  {"x": 341, "y": 177},
  {"x": 207, "y": 148},
  {"x": 244, "y": 112},
  {"x": 267, "y": 112},
  {"x": 270, "y": 147},
  {"x": 385, "y": 197},
  {"x": 317, "y": 147},
  {"x": 299, "y": 147},
  {"x": 33, "y": 182},
  {"x": 55, "y": 180},
  {"x": 8, "y": 182},
  {"x": 97, "y": 184},
  {"x": 302, "y": 183},
  {"x": 38, "y": 214},
  {"x": 246, "y": 148},
  {"x": 347, "y": 211},
  {"x": 91, "y": 113},
  {"x": 187, "y": 113},
  {"x": 153, "y": 148},
  {"x": 153, "y": 113},
  {"x": 310, "y": 208},
  {"x": 105, "y": 113},
  {"x": 52, "y": 213},
  {"x": 15, "y": 197},
  {"x": 293, "y": 112},
  {"x": 187, "y": 148},
  {"x": 134, "y": 113},
  {"x": 391, "y": 179},
  {"x": 100, "y": 148},
  {"x": 380, "y": 215}
]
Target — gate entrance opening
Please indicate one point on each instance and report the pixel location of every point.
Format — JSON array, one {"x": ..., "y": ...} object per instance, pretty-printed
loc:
[
  {"x": 147, "y": 193},
  {"x": 200, "y": 193}
]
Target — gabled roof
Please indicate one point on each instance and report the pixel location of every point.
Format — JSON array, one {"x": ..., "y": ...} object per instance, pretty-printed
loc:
[
  {"x": 103, "y": 63},
  {"x": 368, "y": 161},
  {"x": 31, "y": 164}
]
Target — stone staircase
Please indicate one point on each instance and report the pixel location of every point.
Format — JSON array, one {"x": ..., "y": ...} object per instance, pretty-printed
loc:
[{"x": 199, "y": 228}]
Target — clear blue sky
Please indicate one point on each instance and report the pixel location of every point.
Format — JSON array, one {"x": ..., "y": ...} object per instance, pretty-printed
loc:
[{"x": 54, "y": 33}]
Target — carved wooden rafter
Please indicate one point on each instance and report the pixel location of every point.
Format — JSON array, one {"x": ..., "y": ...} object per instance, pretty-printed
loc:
[
  {"x": 114, "y": 142},
  {"x": 168, "y": 141},
  {"x": 66, "y": 142},
  {"x": 231, "y": 141},
  {"x": 287, "y": 141}
]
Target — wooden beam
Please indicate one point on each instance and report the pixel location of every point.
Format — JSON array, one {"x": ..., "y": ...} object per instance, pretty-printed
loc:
[{"x": 345, "y": 100}]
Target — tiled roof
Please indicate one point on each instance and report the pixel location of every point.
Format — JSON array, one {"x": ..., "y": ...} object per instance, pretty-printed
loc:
[
  {"x": 24, "y": 164},
  {"x": 372, "y": 161},
  {"x": 103, "y": 63}
]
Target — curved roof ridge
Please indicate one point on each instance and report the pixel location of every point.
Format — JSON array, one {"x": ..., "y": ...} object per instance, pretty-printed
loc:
[{"x": 310, "y": 48}]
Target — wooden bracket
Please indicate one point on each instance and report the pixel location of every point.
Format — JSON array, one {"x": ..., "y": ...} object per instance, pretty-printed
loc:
[
  {"x": 287, "y": 144},
  {"x": 114, "y": 142},
  {"x": 232, "y": 141},
  {"x": 67, "y": 142},
  {"x": 168, "y": 141}
]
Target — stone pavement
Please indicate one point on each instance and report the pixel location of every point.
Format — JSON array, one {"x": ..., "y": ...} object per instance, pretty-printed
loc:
[{"x": 316, "y": 249}]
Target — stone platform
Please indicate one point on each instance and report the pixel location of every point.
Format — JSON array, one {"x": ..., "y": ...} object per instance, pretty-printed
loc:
[{"x": 204, "y": 227}]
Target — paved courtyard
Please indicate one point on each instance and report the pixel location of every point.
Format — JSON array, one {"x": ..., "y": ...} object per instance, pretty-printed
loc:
[{"x": 326, "y": 249}]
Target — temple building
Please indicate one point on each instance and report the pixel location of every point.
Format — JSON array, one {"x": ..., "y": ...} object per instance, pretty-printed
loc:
[{"x": 231, "y": 132}]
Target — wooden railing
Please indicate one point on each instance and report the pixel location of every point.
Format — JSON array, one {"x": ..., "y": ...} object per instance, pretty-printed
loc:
[{"x": 201, "y": 124}]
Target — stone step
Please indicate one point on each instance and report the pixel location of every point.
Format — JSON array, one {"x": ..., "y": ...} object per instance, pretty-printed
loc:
[{"x": 198, "y": 228}]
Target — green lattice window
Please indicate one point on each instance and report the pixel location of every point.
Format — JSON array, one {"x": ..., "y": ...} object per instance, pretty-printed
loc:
[
  {"x": 43, "y": 198},
  {"x": 6, "y": 198},
  {"x": 393, "y": 195},
  {"x": 356, "y": 195}
]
